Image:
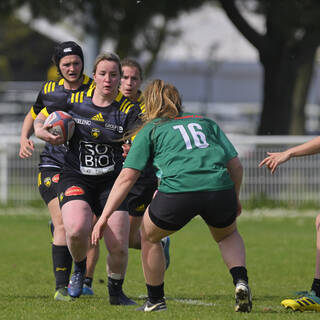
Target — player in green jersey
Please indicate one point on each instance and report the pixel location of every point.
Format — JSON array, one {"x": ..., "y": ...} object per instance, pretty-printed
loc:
[
  {"x": 142, "y": 192},
  {"x": 200, "y": 174}
]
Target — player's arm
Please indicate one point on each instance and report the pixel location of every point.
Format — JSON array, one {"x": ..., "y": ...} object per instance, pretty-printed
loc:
[
  {"x": 41, "y": 129},
  {"x": 26, "y": 144},
  {"x": 235, "y": 169},
  {"x": 274, "y": 159}
]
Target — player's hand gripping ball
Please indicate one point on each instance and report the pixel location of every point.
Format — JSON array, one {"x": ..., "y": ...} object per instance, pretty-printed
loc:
[{"x": 62, "y": 124}]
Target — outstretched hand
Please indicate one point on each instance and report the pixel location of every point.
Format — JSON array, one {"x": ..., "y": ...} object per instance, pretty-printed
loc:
[
  {"x": 274, "y": 159},
  {"x": 26, "y": 148},
  {"x": 125, "y": 148},
  {"x": 98, "y": 230}
]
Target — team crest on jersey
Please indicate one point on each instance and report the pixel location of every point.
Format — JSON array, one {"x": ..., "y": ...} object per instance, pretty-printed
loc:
[
  {"x": 114, "y": 127},
  {"x": 47, "y": 182},
  {"x": 56, "y": 178},
  {"x": 95, "y": 132},
  {"x": 74, "y": 191},
  {"x": 98, "y": 117}
]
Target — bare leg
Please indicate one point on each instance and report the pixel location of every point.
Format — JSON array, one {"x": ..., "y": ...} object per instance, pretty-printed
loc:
[
  {"x": 59, "y": 234},
  {"x": 77, "y": 219},
  {"x": 92, "y": 255},
  {"x": 117, "y": 239},
  {"x": 231, "y": 245},
  {"x": 153, "y": 259},
  {"x": 134, "y": 236}
]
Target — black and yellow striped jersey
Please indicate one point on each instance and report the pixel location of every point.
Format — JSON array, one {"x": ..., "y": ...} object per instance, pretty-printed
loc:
[
  {"x": 95, "y": 147},
  {"x": 53, "y": 94},
  {"x": 141, "y": 103}
]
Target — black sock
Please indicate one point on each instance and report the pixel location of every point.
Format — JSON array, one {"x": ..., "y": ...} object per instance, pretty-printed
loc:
[
  {"x": 114, "y": 286},
  {"x": 316, "y": 286},
  {"x": 155, "y": 293},
  {"x": 62, "y": 264},
  {"x": 80, "y": 266},
  {"x": 239, "y": 273},
  {"x": 88, "y": 281}
]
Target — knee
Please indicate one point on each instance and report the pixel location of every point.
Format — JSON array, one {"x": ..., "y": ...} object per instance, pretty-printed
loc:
[{"x": 224, "y": 236}]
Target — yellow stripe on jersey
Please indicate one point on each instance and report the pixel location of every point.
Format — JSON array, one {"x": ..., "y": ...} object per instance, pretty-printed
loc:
[
  {"x": 61, "y": 82},
  {"x": 86, "y": 79},
  {"x": 124, "y": 104},
  {"x": 39, "y": 179},
  {"x": 142, "y": 107},
  {"x": 119, "y": 96},
  {"x": 128, "y": 108},
  {"x": 77, "y": 97},
  {"x": 45, "y": 88},
  {"x": 49, "y": 87},
  {"x": 90, "y": 91},
  {"x": 81, "y": 96},
  {"x": 53, "y": 86},
  {"x": 45, "y": 112},
  {"x": 33, "y": 114}
]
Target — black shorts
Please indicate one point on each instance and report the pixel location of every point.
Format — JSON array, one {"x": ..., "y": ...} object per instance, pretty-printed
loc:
[
  {"x": 140, "y": 197},
  {"x": 92, "y": 189},
  {"x": 172, "y": 211},
  {"x": 48, "y": 179}
]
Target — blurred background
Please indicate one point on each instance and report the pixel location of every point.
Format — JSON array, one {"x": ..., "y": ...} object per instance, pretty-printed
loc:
[{"x": 250, "y": 65}]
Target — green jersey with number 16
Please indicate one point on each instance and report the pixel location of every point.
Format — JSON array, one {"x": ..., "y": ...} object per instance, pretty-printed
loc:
[{"x": 189, "y": 153}]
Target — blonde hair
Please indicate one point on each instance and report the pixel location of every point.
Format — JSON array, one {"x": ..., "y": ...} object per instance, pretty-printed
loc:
[{"x": 162, "y": 101}]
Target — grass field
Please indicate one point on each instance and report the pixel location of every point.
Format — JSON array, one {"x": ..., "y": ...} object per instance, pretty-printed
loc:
[{"x": 280, "y": 260}]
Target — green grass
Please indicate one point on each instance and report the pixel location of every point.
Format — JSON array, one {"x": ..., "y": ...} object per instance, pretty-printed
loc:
[{"x": 280, "y": 260}]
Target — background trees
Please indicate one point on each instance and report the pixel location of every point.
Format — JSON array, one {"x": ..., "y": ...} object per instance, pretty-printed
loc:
[
  {"x": 287, "y": 52},
  {"x": 138, "y": 28}
]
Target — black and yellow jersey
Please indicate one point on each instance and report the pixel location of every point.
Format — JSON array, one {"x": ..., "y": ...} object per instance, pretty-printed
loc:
[
  {"x": 147, "y": 177},
  {"x": 53, "y": 94},
  {"x": 140, "y": 102},
  {"x": 95, "y": 147}
]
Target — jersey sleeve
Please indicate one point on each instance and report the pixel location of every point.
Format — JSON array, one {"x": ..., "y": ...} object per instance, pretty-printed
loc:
[
  {"x": 140, "y": 151},
  {"x": 225, "y": 143},
  {"x": 38, "y": 105}
]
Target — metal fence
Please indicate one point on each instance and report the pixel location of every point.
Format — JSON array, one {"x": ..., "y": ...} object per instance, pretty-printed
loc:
[{"x": 296, "y": 182}]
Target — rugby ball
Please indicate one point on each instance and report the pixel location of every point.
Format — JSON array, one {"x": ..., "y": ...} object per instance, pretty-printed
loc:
[{"x": 62, "y": 124}]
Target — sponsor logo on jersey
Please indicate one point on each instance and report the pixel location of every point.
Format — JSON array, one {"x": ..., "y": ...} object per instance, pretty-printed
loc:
[
  {"x": 74, "y": 191},
  {"x": 95, "y": 132},
  {"x": 98, "y": 117},
  {"x": 114, "y": 127},
  {"x": 47, "y": 182},
  {"x": 140, "y": 208},
  {"x": 82, "y": 121},
  {"x": 56, "y": 178}
]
